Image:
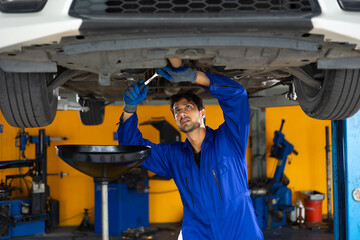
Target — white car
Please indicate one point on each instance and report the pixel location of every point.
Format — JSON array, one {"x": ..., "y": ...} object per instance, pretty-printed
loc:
[{"x": 97, "y": 48}]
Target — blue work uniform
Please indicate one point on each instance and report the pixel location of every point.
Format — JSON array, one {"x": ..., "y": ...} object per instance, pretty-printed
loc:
[{"x": 216, "y": 198}]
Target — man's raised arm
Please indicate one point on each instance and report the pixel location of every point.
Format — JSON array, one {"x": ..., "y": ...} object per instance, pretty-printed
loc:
[{"x": 133, "y": 96}]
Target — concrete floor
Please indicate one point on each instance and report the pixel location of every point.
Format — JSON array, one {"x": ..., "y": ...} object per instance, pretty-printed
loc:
[
  {"x": 297, "y": 234},
  {"x": 171, "y": 231}
]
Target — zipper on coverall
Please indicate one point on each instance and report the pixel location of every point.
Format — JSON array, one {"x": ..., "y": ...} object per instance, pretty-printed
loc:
[
  {"x": 217, "y": 182},
  {"x": 187, "y": 184}
]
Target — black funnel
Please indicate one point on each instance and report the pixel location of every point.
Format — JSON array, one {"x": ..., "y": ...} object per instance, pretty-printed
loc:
[{"x": 103, "y": 163}]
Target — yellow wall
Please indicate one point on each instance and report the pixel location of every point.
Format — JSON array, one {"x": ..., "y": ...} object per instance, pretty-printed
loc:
[
  {"x": 306, "y": 171},
  {"x": 76, "y": 191}
]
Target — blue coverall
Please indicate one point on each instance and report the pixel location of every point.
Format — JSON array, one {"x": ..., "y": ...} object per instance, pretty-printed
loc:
[{"x": 216, "y": 198}]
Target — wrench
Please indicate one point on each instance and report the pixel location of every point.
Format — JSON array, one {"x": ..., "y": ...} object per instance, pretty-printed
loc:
[{"x": 150, "y": 79}]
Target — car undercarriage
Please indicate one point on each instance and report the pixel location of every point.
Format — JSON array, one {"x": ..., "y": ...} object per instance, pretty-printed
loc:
[{"x": 115, "y": 47}]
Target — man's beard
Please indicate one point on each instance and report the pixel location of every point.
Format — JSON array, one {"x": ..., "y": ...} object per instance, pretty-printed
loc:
[{"x": 189, "y": 127}]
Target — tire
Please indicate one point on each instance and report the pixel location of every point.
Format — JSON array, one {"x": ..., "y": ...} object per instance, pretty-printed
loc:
[
  {"x": 25, "y": 101},
  {"x": 95, "y": 115},
  {"x": 338, "y": 98}
]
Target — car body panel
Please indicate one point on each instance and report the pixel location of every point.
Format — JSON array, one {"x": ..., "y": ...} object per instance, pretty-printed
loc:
[
  {"x": 45, "y": 27},
  {"x": 336, "y": 24}
]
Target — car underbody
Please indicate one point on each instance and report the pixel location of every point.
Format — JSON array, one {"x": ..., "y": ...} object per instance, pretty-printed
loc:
[
  {"x": 262, "y": 51},
  {"x": 104, "y": 68}
]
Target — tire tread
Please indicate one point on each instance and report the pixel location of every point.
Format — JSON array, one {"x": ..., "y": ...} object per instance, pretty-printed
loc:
[
  {"x": 338, "y": 99},
  {"x": 24, "y": 100},
  {"x": 95, "y": 115}
]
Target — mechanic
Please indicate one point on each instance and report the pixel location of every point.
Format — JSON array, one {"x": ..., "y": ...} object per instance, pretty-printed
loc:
[{"x": 209, "y": 168}]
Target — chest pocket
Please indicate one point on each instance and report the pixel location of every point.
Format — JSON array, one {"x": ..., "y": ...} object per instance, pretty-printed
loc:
[
  {"x": 218, "y": 173},
  {"x": 226, "y": 180},
  {"x": 222, "y": 168}
]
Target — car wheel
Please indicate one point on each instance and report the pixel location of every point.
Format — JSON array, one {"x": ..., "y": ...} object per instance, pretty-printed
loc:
[
  {"x": 25, "y": 100},
  {"x": 95, "y": 114},
  {"x": 338, "y": 98}
]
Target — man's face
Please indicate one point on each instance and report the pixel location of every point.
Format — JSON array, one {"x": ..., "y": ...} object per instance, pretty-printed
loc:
[{"x": 187, "y": 115}]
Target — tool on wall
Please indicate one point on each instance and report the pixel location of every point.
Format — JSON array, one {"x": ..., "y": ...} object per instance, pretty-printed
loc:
[
  {"x": 28, "y": 216},
  {"x": 272, "y": 200}
]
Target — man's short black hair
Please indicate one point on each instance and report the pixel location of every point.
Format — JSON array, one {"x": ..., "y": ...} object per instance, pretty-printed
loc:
[{"x": 191, "y": 97}]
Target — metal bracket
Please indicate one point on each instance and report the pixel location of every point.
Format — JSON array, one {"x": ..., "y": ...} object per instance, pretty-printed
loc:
[
  {"x": 104, "y": 79},
  {"x": 64, "y": 105},
  {"x": 291, "y": 95}
]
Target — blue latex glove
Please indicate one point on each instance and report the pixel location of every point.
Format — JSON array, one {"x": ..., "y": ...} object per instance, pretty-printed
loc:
[
  {"x": 135, "y": 95},
  {"x": 182, "y": 74}
]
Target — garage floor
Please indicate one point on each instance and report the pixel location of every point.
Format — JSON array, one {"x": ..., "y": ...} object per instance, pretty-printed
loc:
[{"x": 170, "y": 232}]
